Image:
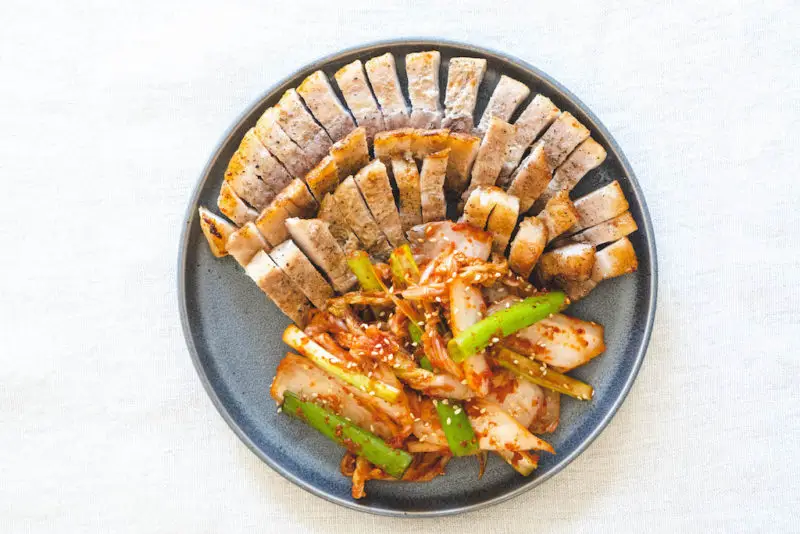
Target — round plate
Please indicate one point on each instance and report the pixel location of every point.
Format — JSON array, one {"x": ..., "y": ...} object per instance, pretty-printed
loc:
[{"x": 234, "y": 332}]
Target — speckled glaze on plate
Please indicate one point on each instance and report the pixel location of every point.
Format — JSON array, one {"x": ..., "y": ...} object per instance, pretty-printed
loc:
[{"x": 233, "y": 331}]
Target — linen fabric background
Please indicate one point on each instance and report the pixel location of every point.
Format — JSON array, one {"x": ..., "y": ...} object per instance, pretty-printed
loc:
[{"x": 109, "y": 111}]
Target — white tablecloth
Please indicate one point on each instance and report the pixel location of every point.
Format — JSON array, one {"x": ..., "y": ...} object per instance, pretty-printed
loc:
[{"x": 109, "y": 111}]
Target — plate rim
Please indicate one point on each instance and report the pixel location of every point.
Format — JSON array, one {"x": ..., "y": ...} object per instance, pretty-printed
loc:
[{"x": 645, "y": 225}]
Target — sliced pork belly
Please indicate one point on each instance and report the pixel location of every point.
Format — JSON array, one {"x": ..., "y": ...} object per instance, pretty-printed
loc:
[
  {"x": 530, "y": 179},
  {"x": 491, "y": 155},
  {"x": 570, "y": 262},
  {"x": 463, "y": 151},
  {"x": 359, "y": 219},
  {"x": 302, "y": 273},
  {"x": 415, "y": 142},
  {"x": 562, "y": 137},
  {"x": 301, "y": 377},
  {"x": 431, "y": 239},
  {"x": 464, "y": 76},
  {"x": 600, "y": 205},
  {"x": 330, "y": 212},
  {"x": 576, "y": 290},
  {"x": 301, "y": 197},
  {"x": 323, "y": 178},
  {"x": 326, "y": 107},
  {"x": 497, "y": 430},
  {"x": 353, "y": 83},
  {"x": 536, "y": 118},
  {"x": 558, "y": 215},
  {"x": 503, "y": 220},
  {"x": 615, "y": 260},
  {"x": 373, "y": 182},
  {"x": 300, "y": 125},
  {"x": 589, "y": 155},
  {"x": 382, "y": 73},
  {"x": 246, "y": 168},
  {"x": 406, "y": 176},
  {"x": 426, "y": 142},
  {"x": 217, "y": 231},
  {"x": 527, "y": 246},
  {"x": 431, "y": 179},
  {"x": 480, "y": 204},
  {"x": 351, "y": 153},
  {"x": 315, "y": 239},
  {"x": 271, "y": 222},
  {"x": 272, "y": 281},
  {"x": 561, "y": 341},
  {"x": 270, "y": 133},
  {"x": 521, "y": 399},
  {"x": 422, "y": 70},
  {"x": 508, "y": 94},
  {"x": 608, "y": 231},
  {"x": 245, "y": 242},
  {"x": 234, "y": 207}
]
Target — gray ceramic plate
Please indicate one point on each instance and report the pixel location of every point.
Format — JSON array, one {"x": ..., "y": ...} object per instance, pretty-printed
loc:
[{"x": 234, "y": 333}]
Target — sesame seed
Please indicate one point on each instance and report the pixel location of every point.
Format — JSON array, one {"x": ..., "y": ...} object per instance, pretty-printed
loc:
[
  {"x": 445, "y": 401},
  {"x": 496, "y": 340},
  {"x": 372, "y": 393},
  {"x": 449, "y": 421},
  {"x": 280, "y": 409}
]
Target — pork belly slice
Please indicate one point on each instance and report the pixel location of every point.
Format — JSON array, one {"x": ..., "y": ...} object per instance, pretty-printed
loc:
[
  {"x": 576, "y": 290},
  {"x": 589, "y": 155},
  {"x": 562, "y": 137},
  {"x": 351, "y": 153},
  {"x": 527, "y": 246},
  {"x": 280, "y": 145},
  {"x": 558, "y": 215},
  {"x": 353, "y": 83},
  {"x": 301, "y": 197},
  {"x": 422, "y": 71},
  {"x": 373, "y": 182},
  {"x": 464, "y": 76},
  {"x": 217, "y": 231},
  {"x": 302, "y": 273},
  {"x": 300, "y": 125},
  {"x": 561, "y": 341},
  {"x": 247, "y": 169},
  {"x": 431, "y": 239},
  {"x": 480, "y": 204},
  {"x": 359, "y": 219},
  {"x": 535, "y": 119},
  {"x": 331, "y": 213},
  {"x": 415, "y": 142},
  {"x": 298, "y": 375},
  {"x": 497, "y": 430},
  {"x": 382, "y": 73},
  {"x": 615, "y": 260},
  {"x": 245, "y": 242},
  {"x": 502, "y": 221},
  {"x": 463, "y": 151},
  {"x": 570, "y": 262},
  {"x": 608, "y": 231},
  {"x": 431, "y": 180},
  {"x": 326, "y": 107},
  {"x": 323, "y": 178},
  {"x": 491, "y": 154},
  {"x": 508, "y": 94},
  {"x": 315, "y": 239},
  {"x": 272, "y": 281},
  {"x": 600, "y": 205},
  {"x": 531, "y": 178},
  {"x": 406, "y": 176},
  {"x": 234, "y": 207},
  {"x": 294, "y": 201},
  {"x": 271, "y": 222}
]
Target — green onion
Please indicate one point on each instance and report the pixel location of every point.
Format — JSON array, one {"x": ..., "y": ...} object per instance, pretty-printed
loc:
[
  {"x": 539, "y": 374},
  {"x": 357, "y": 440},
  {"x": 504, "y": 323}
]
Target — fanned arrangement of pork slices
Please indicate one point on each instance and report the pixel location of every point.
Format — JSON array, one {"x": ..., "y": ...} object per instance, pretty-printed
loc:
[{"x": 422, "y": 338}]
